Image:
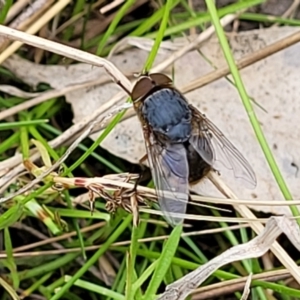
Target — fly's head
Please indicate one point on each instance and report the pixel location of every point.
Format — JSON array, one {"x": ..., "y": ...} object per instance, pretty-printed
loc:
[{"x": 147, "y": 84}]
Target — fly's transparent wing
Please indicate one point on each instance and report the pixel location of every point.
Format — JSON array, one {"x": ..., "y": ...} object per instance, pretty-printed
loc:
[
  {"x": 170, "y": 172},
  {"x": 217, "y": 150}
]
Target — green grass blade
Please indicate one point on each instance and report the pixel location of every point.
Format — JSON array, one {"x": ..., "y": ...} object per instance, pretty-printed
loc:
[
  {"x": 10, "y": 125},
  {"x": 10, "y": 262},
  {"x": 12, "y": 215},
  {"x": 202, "y": 18},
  {"x": 120, "y": 14},
  {"x": 94, "y": 258},
  {"x": 164, "y": 262},
  {"x": 36, "y": 284},
  {"x": 269, "y": 19},
  {"x": 84, "y": 148},
  {"x": 151, "y": 21},
  {"x": 24, "y": 142},
  {"x": 96, "y": 288},
  {"x": 159, "y": 36},
  {"x": 10, "y": 142},
  {"x": 146, "y": 274},
  {"x": 4, "y": 8},
  {"x": 248, "y": 105},
  {"x": 131, "y": 263},
  {"x": 75, "y": 224},
  {"x": 9, "y": 289},
  {"x": 104, "y": 134}
]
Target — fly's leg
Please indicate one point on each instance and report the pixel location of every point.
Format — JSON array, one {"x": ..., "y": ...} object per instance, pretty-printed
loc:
[{"x": 143, "y": 169}]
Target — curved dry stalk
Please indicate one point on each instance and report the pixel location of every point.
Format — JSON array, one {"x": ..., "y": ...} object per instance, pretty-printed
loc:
[
  {"x": 41, "y": 97},
  {"x": 183, "y": 287},
  {"x": 11, "y": 90},
  {"x": 257, "y": 227},
  {"x": 63, "y": 50},
  {"x": 230, "y": 286}
]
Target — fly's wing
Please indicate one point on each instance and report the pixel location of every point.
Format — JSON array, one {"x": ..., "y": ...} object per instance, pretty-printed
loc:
[
  {"x": 170, "y": 172},
  {"x": 217, "y": 150}
]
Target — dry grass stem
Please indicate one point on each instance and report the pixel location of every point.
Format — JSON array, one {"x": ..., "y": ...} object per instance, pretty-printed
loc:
[
  {"x": 289, "y": 13},
  {"x": 63, "y": 50},
  {"x": 246, "y": 291},
  {"x": 16, "y": 9},
  {"x": 256, "y": 247},
  {"x": 21, "y": 250},
  {"x": 76, "y": 17},
  {"x": 205, "y": 35},
  {"x": 34, "y": 28},
  {"x": 110, "y": 6},
  {"x": 28, "y": 16},
  {"x": 257, "y": 227},
  {"x": 243, "y": 62},
  {"x": 11, "y": 90},
  {"x": 234, "y": 285},
  {"x": 42, "y": 97},
  {"x": 123, "y": 243},
  {"x": 55, "y": 239}
]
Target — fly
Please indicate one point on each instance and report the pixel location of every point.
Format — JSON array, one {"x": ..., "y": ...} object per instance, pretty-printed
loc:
[{"x": 182, "y": 144}]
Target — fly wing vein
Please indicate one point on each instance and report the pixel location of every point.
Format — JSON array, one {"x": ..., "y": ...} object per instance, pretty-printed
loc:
[
  {"x": 169, "y": 168},
  {"x": 207, "y": 138}
]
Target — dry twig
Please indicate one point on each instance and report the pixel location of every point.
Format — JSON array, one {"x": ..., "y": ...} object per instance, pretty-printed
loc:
[{"x": 183, "y": 287}]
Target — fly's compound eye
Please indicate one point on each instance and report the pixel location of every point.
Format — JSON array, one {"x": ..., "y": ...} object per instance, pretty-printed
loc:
[
  {"x": 161, "y": 79},
  {"x": 142, "y": 87}
]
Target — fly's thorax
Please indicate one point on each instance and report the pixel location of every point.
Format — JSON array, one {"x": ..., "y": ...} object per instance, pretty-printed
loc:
[{"x": 168, "y": 114}]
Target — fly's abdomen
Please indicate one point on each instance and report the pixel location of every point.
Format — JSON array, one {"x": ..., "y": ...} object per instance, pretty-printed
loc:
[
  {"x": 198, "y": 168},
  {"x": 168, "y": 114}
]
